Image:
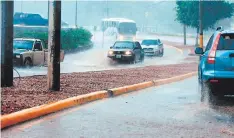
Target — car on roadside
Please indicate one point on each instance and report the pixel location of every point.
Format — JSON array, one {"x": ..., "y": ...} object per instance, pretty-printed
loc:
[
  {"x": 153, "y": 47},
  {"x": 130, "y": 51},
  {"x": 31, "y": 52},
  {"x": 216, "y": 66}
]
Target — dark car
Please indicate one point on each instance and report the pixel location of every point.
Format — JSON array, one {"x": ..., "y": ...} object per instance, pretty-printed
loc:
[
  {"x": 130, "y": 51},
  {"x": 216, "y": 67}
]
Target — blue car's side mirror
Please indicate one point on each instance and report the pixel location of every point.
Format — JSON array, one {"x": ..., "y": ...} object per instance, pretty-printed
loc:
[{"x": 199, "y": 51}]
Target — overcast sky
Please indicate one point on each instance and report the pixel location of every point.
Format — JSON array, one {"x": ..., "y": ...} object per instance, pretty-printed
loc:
[{"x": 68, "y": 8}]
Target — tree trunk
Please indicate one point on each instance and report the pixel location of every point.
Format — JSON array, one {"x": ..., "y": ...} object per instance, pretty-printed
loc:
[
  {"x": 184, "y": 34},
  {"x": 197, "y": 36}
]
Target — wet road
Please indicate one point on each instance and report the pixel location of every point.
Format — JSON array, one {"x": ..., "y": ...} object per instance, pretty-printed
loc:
[
  {"x": 96, "y": 60},
  {"x": 172, "y": 110},
  {"x": 177, "y": 39}
]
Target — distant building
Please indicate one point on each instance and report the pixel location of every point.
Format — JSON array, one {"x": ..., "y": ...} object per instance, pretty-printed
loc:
[{"x": 31, "y": 19}]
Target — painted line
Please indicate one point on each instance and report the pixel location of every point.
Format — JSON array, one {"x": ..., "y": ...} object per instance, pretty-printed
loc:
[
  {"x": 228, "y": 132},
  {"x": 180, "y": 50},
  {"x": 35, "y": 112}
]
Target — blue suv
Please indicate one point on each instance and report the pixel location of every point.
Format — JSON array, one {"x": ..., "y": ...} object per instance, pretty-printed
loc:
[{"x": 216, "y": 67}]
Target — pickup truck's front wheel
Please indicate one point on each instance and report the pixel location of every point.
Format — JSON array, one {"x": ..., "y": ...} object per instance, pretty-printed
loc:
[{"x": 28, "y": 62}]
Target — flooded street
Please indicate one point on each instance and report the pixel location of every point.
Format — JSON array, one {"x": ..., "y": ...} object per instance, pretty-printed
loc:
[{"x": 96, "y": 59}]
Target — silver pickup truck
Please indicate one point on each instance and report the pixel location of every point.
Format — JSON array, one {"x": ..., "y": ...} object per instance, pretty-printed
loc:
[{"x": 31, "y": 52}]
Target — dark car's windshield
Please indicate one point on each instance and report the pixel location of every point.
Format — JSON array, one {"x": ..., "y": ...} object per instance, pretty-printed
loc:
[
  {"x": 226, "y": 42},
  {"x": 123, "y": 45},
  {"x": 149, "y": 42},
  {"x": 23, "y": 44}
]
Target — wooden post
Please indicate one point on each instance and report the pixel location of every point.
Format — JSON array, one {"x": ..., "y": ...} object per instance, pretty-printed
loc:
[
  {"x": 6, "y": 36},
  {"x": 201, "y": 23},
  {"x": 185, "y": 34},
  {"x": 54, "y": 45}
]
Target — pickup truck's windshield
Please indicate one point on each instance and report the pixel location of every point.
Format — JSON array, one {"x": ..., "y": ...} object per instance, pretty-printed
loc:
[{"x": 23, "y": 44}]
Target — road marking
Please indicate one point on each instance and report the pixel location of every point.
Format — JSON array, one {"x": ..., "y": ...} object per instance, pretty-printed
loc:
[
  {"x": 180, "y": 50},
  {"x": 228, "y": 132}
]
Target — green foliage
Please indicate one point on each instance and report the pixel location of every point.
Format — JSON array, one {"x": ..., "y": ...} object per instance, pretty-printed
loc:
[
  {"x": 187, "y": 12},
  {"x": 70, "y": 38}
]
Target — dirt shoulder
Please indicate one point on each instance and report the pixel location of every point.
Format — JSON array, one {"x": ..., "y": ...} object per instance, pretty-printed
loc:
[{"x": 32, "y": 91}]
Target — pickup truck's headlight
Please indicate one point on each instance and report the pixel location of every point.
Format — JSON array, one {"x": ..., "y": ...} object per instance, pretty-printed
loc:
[{"x": 17, "y": 56}]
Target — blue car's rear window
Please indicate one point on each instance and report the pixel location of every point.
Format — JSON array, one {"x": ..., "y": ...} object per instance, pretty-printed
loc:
[{"x": 226, "y": 42}]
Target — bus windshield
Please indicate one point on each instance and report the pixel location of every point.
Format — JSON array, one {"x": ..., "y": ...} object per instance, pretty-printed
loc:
[{"x": 127, "y": 28}]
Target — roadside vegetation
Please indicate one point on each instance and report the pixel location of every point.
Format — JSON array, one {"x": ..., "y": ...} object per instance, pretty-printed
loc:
[
  {"x": 70, "y": 38},
  {"x": 187, "y": 13}
]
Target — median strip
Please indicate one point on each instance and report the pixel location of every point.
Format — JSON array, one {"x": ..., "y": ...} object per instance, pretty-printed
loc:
[{"x": 31, "y": 113}]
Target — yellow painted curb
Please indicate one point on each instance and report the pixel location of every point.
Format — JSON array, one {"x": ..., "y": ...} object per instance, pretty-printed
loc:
[
  {"x": 174, "y": 79},
  {"x": 129, "y": 88},
  {"x": 139, "y": 86},
  {"x": 31, "y": 113}
]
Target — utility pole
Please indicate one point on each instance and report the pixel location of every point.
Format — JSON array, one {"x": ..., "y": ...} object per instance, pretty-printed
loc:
[
  {"x": 76, "y": 15},
  {"x": 107, "y": 9},
  {"x": 6, "y": 36},
  {"x": 185, "y": 34},
  {"x": 48, "y": 9},
  {"x": 201, "y": 22},
  {"x": 54, "y": 45},
  {"x": 21, "y": 6}
]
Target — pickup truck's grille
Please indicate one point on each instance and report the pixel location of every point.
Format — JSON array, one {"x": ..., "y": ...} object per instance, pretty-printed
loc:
[{"x": 17, "y": 61}]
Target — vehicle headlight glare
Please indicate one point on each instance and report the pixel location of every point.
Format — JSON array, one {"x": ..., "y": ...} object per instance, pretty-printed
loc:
[
  {"x": 121, "y": 37},
  {"x": 17, "y": 56},
  {"x": 128, "y": 53},
  {"x": 110, "y": 52}
]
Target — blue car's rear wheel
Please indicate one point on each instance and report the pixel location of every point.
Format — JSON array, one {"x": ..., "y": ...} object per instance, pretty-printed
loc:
[{"x": 208, "y": 94}]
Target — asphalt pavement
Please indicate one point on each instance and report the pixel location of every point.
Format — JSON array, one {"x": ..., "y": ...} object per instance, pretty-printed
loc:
[{"x": 168, "y": 111}]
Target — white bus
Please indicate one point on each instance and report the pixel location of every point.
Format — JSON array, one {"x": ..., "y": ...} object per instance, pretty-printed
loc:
[{"x": 121, "y": 28}]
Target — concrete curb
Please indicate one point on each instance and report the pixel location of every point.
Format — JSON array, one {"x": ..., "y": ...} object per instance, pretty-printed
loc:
[
  {"x": 35, "y": 112},
  {"x": 139, "y": 86},
  {"x": 31, "y": 113}
]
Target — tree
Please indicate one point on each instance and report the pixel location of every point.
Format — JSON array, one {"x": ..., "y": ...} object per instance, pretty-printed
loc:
[{"x": 187, "y": 13}]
